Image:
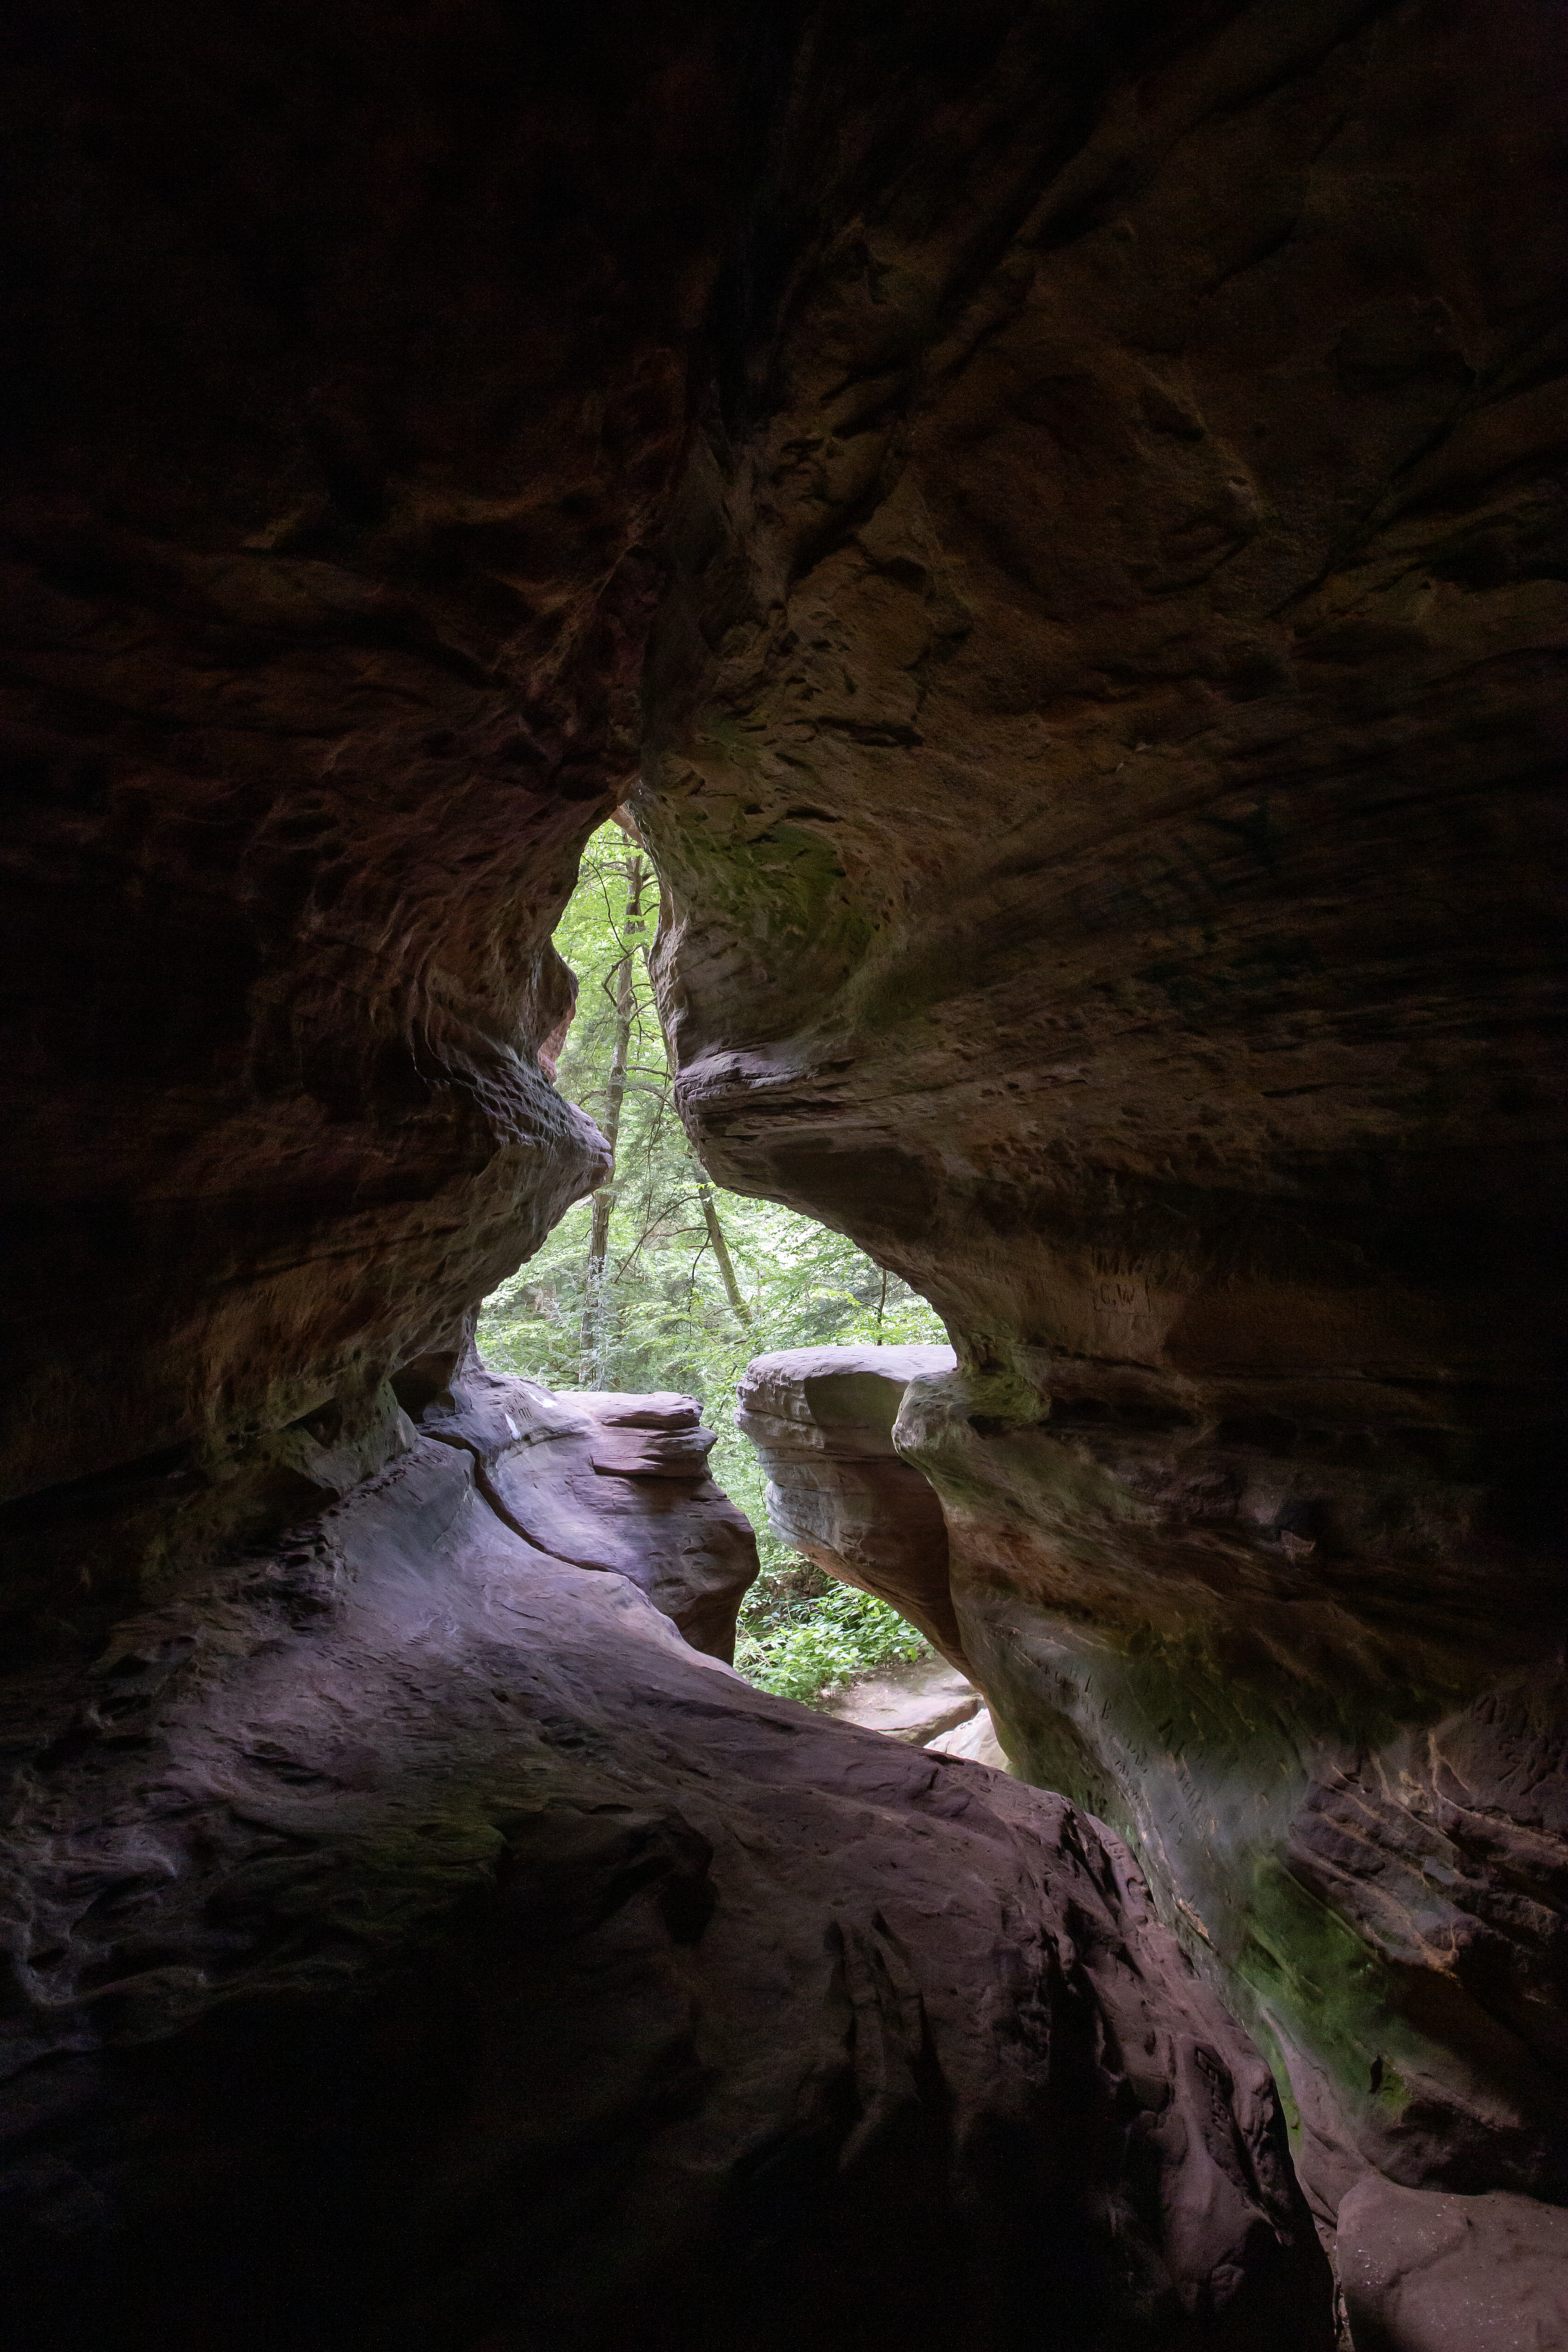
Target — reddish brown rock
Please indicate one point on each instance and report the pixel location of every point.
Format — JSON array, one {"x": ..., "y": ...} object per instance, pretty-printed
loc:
[
  {"x": 1100, "y": 477},
  {"x": 418, "y": 1945},
  {"x": 822, "y": 1421},
  {"x": 1392, "y": 1922},
  {"x": 1433, "y": 2274},
  {"x": 650, "y": 1437},
  {"x": 1107, "y": 734},
  {"x": 352, "y": 371},
  {"x": 617, "y": 1483},
  {"x": 1384, "y": 1896}
]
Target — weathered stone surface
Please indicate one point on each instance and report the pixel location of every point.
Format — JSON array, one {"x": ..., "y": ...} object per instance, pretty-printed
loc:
[
  {"x": 1392, "y": 1922},
  {"x": 1425, "y": 2273},
  {"x": 822, "y": 1419},
  {"x": 1347, "y": 1774},
  {"x": 574, "y": 1477},
  {"x": 975, "y": 1740},
  {"x": 913, "y": 1703},
  {"x": 1106, "y": 733},
  {"x": 352, "y": 371},
  {"x": 418, "y": 1946}
]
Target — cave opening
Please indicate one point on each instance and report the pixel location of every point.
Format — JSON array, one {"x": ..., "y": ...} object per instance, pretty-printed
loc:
[
  {"x": 1053, "y": 520},
  {"x": 663, "y": 1281}
]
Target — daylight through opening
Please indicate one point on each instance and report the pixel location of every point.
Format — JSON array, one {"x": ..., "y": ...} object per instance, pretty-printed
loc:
[{"x": 663, "y": 1280}]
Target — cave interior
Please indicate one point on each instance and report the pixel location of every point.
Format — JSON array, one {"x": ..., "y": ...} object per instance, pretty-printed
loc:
[{"x": 1048, "y": 519}]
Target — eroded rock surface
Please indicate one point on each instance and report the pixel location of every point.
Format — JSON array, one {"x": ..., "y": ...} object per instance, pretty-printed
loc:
[
  {"x": 1098, "y": 475},
  {"x": 418, "y": 1946},
  {"x": 1107, "y": 723},
  {"x": 608, "y": 1482},
  {"x": 1345, "y": 1772},
  {"x": 354, "y": 370},
  {"x": 1389, "y": 1916},
  {"x": 1426, "y": 2273},
  {"x": 916, "y": 1703},
  {"x": 822, "y": 1421}
]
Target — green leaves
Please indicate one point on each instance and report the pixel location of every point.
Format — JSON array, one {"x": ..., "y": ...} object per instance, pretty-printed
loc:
[
  {"x": 802, "y": 1643},
  {"x": 668, "y": 1320}
]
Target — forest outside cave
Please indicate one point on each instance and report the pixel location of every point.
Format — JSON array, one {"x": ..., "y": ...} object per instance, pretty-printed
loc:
[{"x": 663, "y": 1280}]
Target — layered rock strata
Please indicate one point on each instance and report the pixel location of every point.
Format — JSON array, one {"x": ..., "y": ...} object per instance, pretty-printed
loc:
[
  {"x": 1106, "y": 733},
  {"x": 1099, "y": 474},
  {"x": 1344, "y": 1766},
  {"x": 419, "y": 1945},
  {"x": 353, "y": 374},
  {"x": 837, "y": 1492},
  {"x": 1389, "y": 1918},
  {"x": 615, "y": 1483}
]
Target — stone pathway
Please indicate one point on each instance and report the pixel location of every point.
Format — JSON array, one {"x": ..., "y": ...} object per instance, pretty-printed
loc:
[{"x": 926, "y": 1706}]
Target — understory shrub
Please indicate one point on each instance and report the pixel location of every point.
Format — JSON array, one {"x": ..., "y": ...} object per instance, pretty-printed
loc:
[{"x": 804, "y": 1635}]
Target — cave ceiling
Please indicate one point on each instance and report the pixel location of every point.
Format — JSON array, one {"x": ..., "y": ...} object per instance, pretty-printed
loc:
[{"x": 1050, "y": 521}]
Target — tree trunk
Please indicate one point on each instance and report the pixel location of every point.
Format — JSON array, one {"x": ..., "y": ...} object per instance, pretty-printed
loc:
[
  {"x": 595, "y": 1302},
  {"x": 721, "y": 1251}
]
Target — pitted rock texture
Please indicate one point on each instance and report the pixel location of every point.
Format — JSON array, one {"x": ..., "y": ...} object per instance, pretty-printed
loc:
[
  {"x": 1434, "y": 2274},
  {"x": 418, "y": 1946},
  {"x": 1106, "y": 727},
  {"x": 1389, "y": 1916},
  {"x": 822, "y": 1421},
  {"x": 354, "y": 370},
  {"x": 1097, "y": 471},
  {"x": 1106, "y": 719},
  {"x": 1346, "y": 1773}
]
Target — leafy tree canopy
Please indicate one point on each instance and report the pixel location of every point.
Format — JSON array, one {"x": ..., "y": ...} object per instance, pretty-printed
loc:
[{"x": 664, "y": 1280}]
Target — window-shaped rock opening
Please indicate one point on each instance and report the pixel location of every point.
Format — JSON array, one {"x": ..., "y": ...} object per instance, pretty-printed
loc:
[{"x": 662, "y": 1281}]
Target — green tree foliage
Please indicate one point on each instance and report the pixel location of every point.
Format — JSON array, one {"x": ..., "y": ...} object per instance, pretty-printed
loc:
[{"x": 664, "y": 1281}]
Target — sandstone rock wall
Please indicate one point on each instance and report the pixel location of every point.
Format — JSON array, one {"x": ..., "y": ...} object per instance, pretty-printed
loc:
[
  {"x": 1107, "y": 731},
  {"x": 418, "y": 1946},
  {"x": 350, "y": 375},
  {"x": 1383, "y": 1900},
  {"x": 822, "y": 1421},
  {"x": 1089, "y": 483},
  {"x": 615, "y": 1483}
]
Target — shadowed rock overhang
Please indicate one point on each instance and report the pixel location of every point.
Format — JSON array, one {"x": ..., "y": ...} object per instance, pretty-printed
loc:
[{"x": 1053, "y": 516}]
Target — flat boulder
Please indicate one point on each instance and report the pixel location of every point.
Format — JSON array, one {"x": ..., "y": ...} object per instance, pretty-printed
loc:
[
  {"x": 917, "y": 1703},
  {"x": 1428, "y": 2271}
]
